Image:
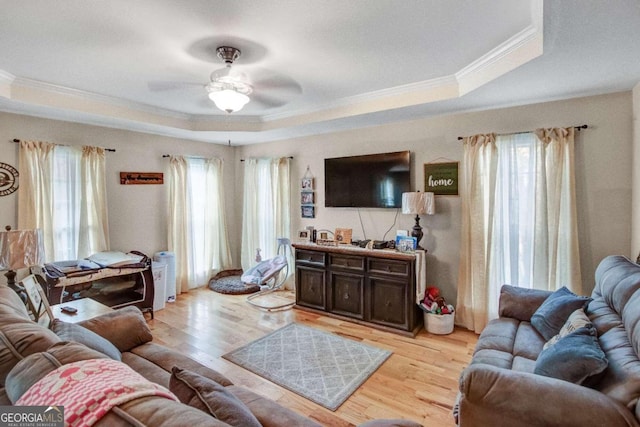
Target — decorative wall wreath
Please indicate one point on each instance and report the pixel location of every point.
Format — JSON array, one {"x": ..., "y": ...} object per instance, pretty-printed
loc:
[{"x": 8, "y": 179}]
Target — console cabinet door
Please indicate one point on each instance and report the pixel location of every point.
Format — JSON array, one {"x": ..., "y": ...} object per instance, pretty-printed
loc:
[
  {"x": 346, "y": 294},
  {"x": 310, "y": 287},
  {"x": 389, "y": 302}
]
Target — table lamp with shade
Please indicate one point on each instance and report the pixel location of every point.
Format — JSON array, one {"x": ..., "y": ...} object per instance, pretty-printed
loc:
[
  {"x": 417, "y": 203},
  {"x": 20, "y": 249}
]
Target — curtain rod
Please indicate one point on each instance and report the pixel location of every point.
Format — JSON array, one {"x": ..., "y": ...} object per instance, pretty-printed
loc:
[
  {"x": 112, "y": 150},
  {"x": 164, "y": 156},
  {"x": 578, "y": 128},
  {"x": 290, "y": 157}
]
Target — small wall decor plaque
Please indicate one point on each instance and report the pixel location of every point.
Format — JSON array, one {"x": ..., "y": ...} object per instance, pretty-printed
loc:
[
  {"x": 441, "y": 178},
  {"x": 306, "y": 184},
  {"x": 8, "y": 179},
  {"x": 308, "y": 211},
  {"x": 132, "y": 178}
]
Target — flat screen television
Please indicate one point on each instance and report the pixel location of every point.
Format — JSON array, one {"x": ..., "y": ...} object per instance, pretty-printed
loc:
[{"x": 368, "y": 181}]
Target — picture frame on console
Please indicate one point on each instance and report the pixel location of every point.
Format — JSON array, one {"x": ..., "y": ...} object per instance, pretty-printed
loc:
[
  {"x": 343, "y": 235},
  {"x": 304, "y": 236}
]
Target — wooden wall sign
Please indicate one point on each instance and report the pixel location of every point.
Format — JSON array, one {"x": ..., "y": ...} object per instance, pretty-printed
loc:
[
  {"x": 441, "y": 178},
  {"x": 131, "y": 178}
]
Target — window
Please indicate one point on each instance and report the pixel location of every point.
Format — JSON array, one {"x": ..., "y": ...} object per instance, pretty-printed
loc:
[
  {"x": 63, "y": 192},
  {"x": 197, "y": 226},
  {"x": 266, "y": 207},
  {"x": 519, "y": 223},
  {"x": 209, "y": 252}
]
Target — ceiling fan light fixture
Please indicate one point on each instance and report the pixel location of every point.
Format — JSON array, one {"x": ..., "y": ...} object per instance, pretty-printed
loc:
[{"x": 229, "y": 100}]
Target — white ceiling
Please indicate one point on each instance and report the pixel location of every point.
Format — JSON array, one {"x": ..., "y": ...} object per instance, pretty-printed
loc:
[{"x": 316, "y": 66}]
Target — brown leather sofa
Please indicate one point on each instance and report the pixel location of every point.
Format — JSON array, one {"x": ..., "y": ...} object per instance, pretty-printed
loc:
[
  {"x": 499, "y": 387},
  {"x": 29, "y": 351}
]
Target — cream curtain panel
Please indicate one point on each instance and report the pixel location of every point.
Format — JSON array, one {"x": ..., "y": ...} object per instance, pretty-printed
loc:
[
  {"x": 94, "y": 218},
  {"x": 266, "y": 213},
  {"x": 197, "y": 225},
  {"x": 35, "y": 207},
  {"x": 63, "y": 192},
  {"x": 519, "y": 219},
  {"x": 179, "y": 213},
  {"x": 477, "y": 189}
]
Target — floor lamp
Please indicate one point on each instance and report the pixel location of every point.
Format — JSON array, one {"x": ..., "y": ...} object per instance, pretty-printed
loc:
[
  {"x": 417, "y": 203},
  {"x": 20, "y": 249}
]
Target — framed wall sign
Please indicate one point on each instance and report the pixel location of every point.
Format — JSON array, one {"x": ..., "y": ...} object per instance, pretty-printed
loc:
[
  {"x": 8, "y": 179},
  {"x": 135, "y": 178},
  {"x": 441, "y": 178}
]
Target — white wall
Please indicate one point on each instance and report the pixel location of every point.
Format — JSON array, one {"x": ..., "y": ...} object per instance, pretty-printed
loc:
[
  {"x": 137, "y": 213},
  {"x": 603, "y": 163},
  {"x": 635, "y": 225}
]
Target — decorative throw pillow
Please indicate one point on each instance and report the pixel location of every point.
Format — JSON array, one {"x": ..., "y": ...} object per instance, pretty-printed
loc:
[
  {"x": 576, "y": 320},
  {"x": 573, "y": 358},
  {"x": 209, "y": 396},
  {"x": 72, "y": 332},
  {"x": 554, "y": 311}
]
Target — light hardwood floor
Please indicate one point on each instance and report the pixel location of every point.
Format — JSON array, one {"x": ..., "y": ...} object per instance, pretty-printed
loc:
[{"x": 418, "y": 382}]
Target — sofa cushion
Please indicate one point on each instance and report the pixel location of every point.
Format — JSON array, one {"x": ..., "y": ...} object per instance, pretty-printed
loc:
[
  {"x": 19, "y": 338},
  {"x": 125, "y": 328},
  {"x": 573, "y": 358},
  {"x": 157, "y": 412},
  {"x": 209, "y": 396},
  {"x": 576, "y": 320},
  {"x": 31, "y": 369},
  {"x": 520, "y": 303},
  {"x": 72, "y": 332},
  {"x": 269, "y": 412},
  {"x": 549, "y": 318}
]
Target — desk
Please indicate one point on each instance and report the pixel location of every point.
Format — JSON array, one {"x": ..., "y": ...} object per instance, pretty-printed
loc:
[{"x": 87, "y": 309}]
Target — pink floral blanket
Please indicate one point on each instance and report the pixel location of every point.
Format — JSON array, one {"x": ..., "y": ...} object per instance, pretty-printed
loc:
[{"x": 88, "y": 389}]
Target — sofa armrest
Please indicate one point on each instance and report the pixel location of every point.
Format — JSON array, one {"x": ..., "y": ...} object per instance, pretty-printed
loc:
[
  {"x": 500, "y": 397},
  {"x": 520, "y": 303},
  {"x": 125, "y": 328}
]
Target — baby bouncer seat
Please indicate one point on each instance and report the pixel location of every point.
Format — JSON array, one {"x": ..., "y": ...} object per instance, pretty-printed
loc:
[{"x": 270, "y": 275}]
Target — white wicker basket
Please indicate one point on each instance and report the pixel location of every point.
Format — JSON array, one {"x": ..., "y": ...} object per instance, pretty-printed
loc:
[{"x": 439, "y": 324}]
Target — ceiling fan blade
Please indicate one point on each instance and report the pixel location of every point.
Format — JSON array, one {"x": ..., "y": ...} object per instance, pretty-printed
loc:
[
  {"x": 267, "y": 101},
  {"x": 161, "y": 86},
  {"x": 279, "y": 87}
]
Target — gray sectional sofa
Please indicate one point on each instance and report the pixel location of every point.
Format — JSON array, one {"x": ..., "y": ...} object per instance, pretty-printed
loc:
[{"x": 29, "y": 352}]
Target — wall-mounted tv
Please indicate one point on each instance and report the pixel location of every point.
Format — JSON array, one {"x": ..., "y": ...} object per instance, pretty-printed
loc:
[{"x": 368, "y": 181}]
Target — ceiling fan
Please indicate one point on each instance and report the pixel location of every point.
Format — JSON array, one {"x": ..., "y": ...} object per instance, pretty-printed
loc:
[{"x": 228, "y": 89}]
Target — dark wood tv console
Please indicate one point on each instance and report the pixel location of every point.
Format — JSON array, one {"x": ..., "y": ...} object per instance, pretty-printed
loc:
[{"x": 372, "y": 287}]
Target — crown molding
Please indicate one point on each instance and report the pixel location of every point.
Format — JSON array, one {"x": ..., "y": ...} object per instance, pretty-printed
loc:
[
  {"x": 6, "y": 78},
  {"x": 95, "y": 97}
]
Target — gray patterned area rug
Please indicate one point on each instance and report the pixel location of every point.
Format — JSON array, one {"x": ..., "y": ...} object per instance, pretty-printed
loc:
[{"x": 322, "y": 367}]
